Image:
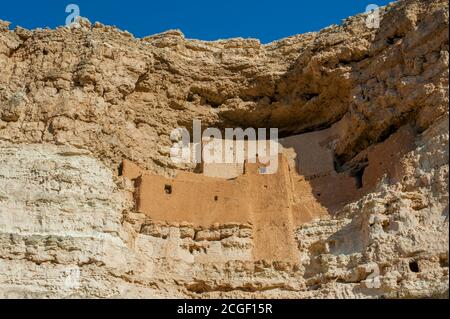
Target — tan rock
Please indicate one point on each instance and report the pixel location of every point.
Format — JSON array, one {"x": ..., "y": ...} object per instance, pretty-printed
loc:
[{"x": 371, "y": 202}]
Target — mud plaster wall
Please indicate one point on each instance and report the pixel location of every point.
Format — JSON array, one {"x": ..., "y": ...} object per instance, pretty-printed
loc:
[
  {"x": 263, "y": 201},
  {"x": 305, "y": 187},
  {"x": 314, "y": 160}
]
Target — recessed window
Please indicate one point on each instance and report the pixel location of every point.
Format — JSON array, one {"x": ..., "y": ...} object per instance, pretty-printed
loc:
[
  {"x": 414, "y": 266},
  {"x": 120, "y": 169},
  {"x": 443, "y": 261},
  {"x": 168, "y": 189},
  {"x": 216, "y": 198},
  {"x": 358, "y": 175}
]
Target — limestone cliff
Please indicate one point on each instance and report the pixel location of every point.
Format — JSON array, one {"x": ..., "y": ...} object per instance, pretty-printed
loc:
[{"x": 77, "y": 101}]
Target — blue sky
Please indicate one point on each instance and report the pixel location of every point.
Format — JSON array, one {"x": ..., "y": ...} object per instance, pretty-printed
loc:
[{"x": 200, "y": 19}]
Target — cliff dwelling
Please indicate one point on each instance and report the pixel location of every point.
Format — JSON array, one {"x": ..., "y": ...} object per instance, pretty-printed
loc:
[
  {"x": 92, "y": 204},
  {"x": 305, "y": 187}
]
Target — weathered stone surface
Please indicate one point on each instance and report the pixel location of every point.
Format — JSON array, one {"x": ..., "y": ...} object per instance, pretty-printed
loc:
[{"x": 76, "y": 102}]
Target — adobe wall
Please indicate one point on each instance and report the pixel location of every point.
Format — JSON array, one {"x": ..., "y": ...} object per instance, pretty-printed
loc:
[
  {"x": 314, "y": 155},
  {"x": 194, "y": 198},
  {"x": 263, "y": 201},
  {"x": 272, "y": 212},
  {"x": 317, "y": 183},
  {"x": 384, "y": 160},
  {"x": 305, "y": 187},
  {"x": 236, "y": 168},
  {"x": 273, "y": 204}
]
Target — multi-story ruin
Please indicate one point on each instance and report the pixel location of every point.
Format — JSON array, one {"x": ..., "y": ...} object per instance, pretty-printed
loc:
[{"x": 305, "y": 186}]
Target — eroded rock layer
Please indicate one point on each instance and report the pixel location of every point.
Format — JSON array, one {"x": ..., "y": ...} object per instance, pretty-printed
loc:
[{"x": 76, "y": 102}]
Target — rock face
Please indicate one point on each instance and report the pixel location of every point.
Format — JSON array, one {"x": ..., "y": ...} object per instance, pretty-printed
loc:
[{"x": 77, "y": 101}]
